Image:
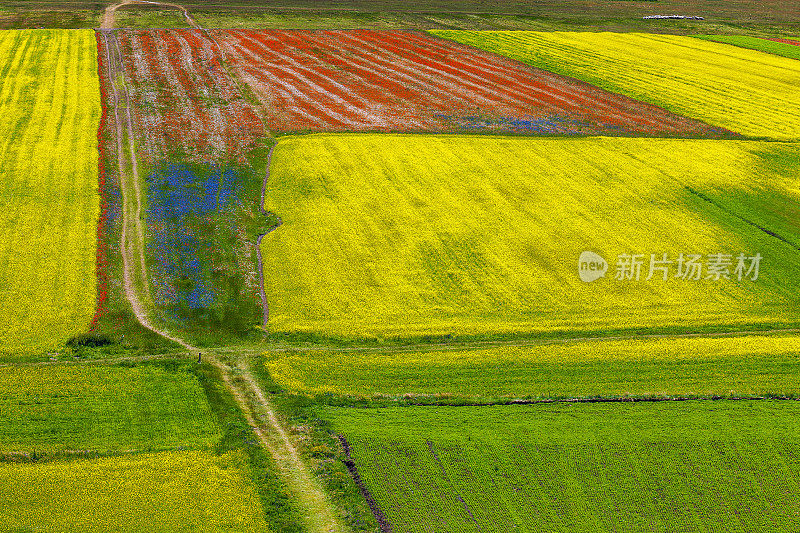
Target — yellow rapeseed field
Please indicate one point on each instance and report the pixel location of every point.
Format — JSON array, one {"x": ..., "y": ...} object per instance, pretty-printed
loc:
[
  {"x": 750, "y": 92},
  {"x": 162, "y": 492},
  {"x": 407, "y": 235},
  {"x": 49, "y": 204}
]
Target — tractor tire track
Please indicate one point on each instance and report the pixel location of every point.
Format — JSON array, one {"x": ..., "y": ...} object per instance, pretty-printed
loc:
[
  {"x": 449, "y": 480},
  {"x": 740, "y": 217}
]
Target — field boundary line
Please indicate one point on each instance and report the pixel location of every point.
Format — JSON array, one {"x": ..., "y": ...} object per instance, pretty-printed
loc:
[
  {"x": 383, "y": 523},
  {"x": 109, "y": 361},
  {"x": 598, "y": 399},
  {"x": 430, "y": 347},
  {"x": 452, "y": 346},
  {"x": 260, "y": 262},
  {"x": 51, "y": 456}
]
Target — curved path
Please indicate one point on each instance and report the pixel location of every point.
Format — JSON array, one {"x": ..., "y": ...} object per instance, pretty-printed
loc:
[
  {"x": 109, "y": 14},
  {"x": 318, "y": 513}
]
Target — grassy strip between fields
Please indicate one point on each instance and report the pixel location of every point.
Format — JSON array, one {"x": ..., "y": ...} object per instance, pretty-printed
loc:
[
  {"x": 756, "y": 43},
  {"x": 645, "y": 368},
  {"x": 280, "y": 513},
  {"x": 117, "y": 326},
  {"x": 320, "y": 451},
  {"x": 623, "y": 467}
]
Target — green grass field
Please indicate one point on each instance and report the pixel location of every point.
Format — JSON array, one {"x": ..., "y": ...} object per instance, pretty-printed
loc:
[
  {"x": 621, "y": 467},
  {"x": 677, "y": 367},
  {"x": 477, "y": 236},
  {"x": 49, "y": 409},
  {"x": 746, "y": 91},
  {"x": 755, "y": 43},
  {"x": 168, "y": 492}
]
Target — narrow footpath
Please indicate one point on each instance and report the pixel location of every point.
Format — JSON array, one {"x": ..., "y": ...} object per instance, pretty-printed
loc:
[{"x": 318, "y": 513}]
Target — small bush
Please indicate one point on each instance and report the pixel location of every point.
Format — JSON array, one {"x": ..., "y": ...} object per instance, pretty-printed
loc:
[{"x": 91, "y": 340}]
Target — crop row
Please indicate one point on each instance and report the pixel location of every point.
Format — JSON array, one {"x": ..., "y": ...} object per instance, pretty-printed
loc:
[
  {"x": 184, "y": 101},
  {"x": 794, "y": 42},
  {"x": 685, "y": 367},
  {"x": 408, "y": 81}
]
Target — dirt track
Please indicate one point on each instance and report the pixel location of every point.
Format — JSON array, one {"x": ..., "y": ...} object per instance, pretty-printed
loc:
[
  {"x": 318, "y": 513},
  {"x": 109, "y": 15}
]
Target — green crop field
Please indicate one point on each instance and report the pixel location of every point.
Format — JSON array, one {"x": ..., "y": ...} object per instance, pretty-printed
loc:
[
  {"x": 684, "y": 367},
  {"x": 746, "y": 91},
  {"x": 102, "y": 408},
  {"x": 624, "y": 467},
  {"x": 756, "y": 43},
  {"x": 49, "y": 203},
  {"x": 167, "y": 492},
  {"x": 415, "y": 235}
]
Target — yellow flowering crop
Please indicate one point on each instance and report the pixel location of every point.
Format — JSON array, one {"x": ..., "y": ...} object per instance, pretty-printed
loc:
[
  {"x": 405, "y": 235},
  {"x": 747, "y": 91},
  {"x": 677, "y": 366},
  {"x": 169, "y": 491},
  {"x": 49, "y": 204}
]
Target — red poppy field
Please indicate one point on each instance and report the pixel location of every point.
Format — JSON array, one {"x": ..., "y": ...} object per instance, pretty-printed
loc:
[
  {"x": 786, "y": 41},
  {"x": 359, "y": 80},
  {"x": 183, "y": 98}
]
